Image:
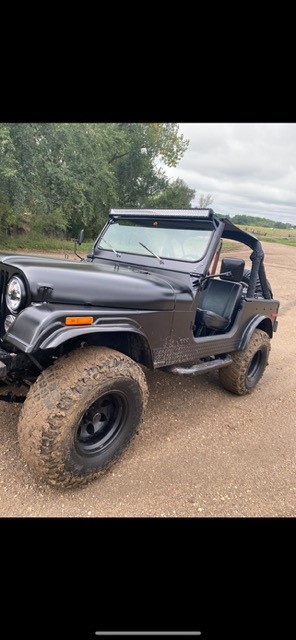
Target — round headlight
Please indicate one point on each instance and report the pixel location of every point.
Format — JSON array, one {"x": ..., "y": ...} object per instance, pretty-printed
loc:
[{"x": 15, "y": 294}]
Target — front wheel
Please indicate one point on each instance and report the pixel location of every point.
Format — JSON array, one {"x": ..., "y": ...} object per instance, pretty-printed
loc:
[
  {"x": 247, "y": 367},
  {"x": 81, "y": 414}
]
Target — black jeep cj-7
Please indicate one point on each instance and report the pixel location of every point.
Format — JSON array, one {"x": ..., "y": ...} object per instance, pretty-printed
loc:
[{"x": 79, "y": 335}]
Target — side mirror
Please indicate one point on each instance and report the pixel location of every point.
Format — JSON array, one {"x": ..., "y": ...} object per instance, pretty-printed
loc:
[
  {"x": 233, "y": 265},
  {"x": 79, "y": 240},
  {"x": 80, "y": 237}
]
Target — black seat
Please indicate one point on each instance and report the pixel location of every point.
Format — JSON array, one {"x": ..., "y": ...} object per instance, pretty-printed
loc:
[{"x": 218, "y": 303}]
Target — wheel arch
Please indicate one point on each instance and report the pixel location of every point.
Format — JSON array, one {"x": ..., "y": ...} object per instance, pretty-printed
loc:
[
  {"x": 259, "y": 322},
  {"x": 129, "y": 341}
]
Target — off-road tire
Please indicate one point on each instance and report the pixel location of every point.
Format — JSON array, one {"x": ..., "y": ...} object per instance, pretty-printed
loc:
[
  {"x": 58, "y": 402},
  {"x": 247, "y": 367}
]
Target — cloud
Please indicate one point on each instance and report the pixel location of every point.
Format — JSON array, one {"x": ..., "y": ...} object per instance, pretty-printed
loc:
[{"x": 247, "y": 168}]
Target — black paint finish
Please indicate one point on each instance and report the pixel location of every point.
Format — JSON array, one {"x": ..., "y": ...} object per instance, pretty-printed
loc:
[{"x": 145, "y": 308}]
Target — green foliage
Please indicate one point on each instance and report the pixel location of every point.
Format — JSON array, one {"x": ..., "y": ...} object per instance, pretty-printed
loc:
[
  {"x": 53, "y": 225},
  {"x": 37, "y": 242},
  {"x": 58, "y": 177},
  {"x": 176, "y": 195},
  {"x": 7, "y": 160},
  {"x": 8, "y": 170}
]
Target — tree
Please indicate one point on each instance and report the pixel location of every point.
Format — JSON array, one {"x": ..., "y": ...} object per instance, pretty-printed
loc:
[
  {"x": 8, "y": 170},
  {"x": 61, "y": 176},
  {"x": 205, "y": 201},
  {"x": 136, "y": 170},
  {"x": 175, "y": 195}
]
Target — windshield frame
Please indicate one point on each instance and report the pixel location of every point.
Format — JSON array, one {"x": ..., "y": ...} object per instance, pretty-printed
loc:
[{"x": 148, "y": 260}]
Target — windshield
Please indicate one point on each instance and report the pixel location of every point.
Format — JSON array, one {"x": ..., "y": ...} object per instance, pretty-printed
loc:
[{"x": 168, "y": 239}]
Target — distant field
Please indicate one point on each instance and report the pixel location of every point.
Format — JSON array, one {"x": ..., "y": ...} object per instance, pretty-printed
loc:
[
  {"x": 264, "y": 234},
  {"x": 283, "y": 236}
]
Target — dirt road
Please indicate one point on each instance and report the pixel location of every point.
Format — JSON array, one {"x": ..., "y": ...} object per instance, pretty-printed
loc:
[{"x": 201, "y": 451}]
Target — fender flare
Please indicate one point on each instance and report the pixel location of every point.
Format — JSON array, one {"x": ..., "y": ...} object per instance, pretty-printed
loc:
[
  {"x": 42, "y": 328},
  {"x": 258, "y": 322},
  {"x": 66, "y": 334}
]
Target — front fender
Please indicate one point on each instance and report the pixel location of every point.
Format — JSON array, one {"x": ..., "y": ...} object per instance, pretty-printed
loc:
[
  {"x": 43, "y": 326},
  {"x": 258, "y": 322}
]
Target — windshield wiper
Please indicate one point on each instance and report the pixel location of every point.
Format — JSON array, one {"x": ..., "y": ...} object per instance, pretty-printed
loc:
[
  {"x": 110, "y": 245},
  {"x": 152, "y": 253}
]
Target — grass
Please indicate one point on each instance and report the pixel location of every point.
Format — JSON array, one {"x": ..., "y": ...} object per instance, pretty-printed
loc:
[
  {"x": 41, "y": 243},
  {"x": 266, "y": 234},
  {"x": 231, "y": 245}
]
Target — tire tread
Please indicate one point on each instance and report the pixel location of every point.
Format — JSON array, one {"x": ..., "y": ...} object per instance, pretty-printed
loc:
[
  {"x": 233, "y": 377},
  {"x": 44, "y": 414}
]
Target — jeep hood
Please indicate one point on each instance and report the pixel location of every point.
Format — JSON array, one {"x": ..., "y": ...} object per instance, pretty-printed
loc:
[{"x": 90, "y": 284}]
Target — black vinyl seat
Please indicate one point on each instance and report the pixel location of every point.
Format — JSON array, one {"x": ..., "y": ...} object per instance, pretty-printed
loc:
[{"x": 218, "y": 303}]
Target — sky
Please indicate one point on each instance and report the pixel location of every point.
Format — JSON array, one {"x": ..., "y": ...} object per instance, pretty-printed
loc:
[{"x": 248, "y": 168}]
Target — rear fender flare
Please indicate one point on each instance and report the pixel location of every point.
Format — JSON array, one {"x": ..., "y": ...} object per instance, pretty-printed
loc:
[{"x": 258, "y": 322}]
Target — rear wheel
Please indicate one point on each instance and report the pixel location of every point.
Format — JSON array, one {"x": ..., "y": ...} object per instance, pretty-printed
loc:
[
  {"x": 81, "y": 414},
  {"x": 247, "y": 367}
]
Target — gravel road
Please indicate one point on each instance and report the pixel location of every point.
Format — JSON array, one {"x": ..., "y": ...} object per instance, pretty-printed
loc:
[{"x": 201, "y": 451}]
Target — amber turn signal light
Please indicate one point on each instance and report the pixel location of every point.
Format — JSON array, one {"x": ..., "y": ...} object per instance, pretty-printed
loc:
[{"x": 75, "y": 320}]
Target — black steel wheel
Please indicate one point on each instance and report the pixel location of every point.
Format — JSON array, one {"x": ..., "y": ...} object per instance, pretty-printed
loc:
[
  {"x": 255, "y": 367},
  {"x": 101, "y": 423}
]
